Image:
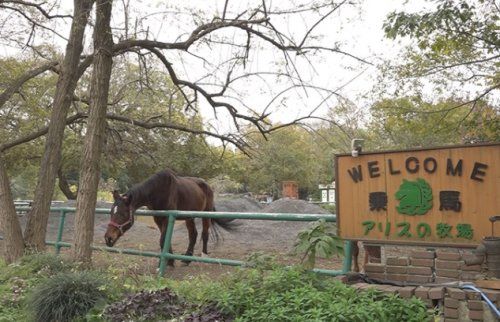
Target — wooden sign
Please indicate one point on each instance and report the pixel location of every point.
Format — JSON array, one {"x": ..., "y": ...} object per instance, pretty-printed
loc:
[{"x": 441, "y": 196}]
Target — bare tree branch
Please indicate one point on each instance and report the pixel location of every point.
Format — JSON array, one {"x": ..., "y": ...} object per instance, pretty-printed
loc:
[{"x": 40, "y": 9}]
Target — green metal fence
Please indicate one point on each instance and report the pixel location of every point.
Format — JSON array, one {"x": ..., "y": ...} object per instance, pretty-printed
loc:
[{"x": 165, "y": 255}]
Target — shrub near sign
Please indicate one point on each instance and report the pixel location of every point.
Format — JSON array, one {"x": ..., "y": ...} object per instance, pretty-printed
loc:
[{"x": 429, "y": 196}]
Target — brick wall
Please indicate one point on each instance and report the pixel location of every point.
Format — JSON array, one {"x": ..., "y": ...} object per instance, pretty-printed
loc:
[
  {"x": 427, "y": 266},
  {"x": 453, "y": 304}
]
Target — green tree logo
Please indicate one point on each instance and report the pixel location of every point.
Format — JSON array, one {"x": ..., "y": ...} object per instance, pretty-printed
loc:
[{"x": 415, "y": 197}]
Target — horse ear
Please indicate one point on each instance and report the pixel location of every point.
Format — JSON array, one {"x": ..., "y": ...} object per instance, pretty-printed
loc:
[
  {"x": 116, "y": 195},
  {"x": 127, "y": 199}
]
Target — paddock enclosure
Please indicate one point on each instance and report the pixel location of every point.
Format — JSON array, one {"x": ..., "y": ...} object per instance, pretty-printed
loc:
[{"x": 251, "y": 236}]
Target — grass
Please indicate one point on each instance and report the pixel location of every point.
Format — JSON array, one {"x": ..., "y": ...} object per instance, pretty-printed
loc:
[{"x": 263, "y": 291}]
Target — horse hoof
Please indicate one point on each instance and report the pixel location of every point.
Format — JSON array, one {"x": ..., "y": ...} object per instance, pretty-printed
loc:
[{"x": 204, "y": 255}]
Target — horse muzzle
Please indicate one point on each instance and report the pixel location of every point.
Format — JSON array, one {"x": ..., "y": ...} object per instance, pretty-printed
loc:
[
  {"x": 109, "y": 241},
  {"x": 111, "y": 237}
]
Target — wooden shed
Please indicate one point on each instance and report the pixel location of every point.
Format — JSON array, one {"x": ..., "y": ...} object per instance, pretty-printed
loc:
[{"x": 290, "y": 189}]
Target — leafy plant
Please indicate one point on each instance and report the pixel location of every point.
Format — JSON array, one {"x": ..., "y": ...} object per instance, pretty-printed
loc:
[
  {"x": 18, "y": 278},
  {"x": 293, "y": 294},
  {"x": 319, "y": 240},
  {"x": 260, "y": 261},
  {"x": 65, "y": 296}
]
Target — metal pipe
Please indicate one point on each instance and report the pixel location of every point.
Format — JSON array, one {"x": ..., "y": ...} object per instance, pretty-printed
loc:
[
  {"x": 346, "y": 264},
  {"x": 165, "y": 254},
  {"x": 60, "y": 231},
  {"x": 328, "y": 272},
  {"x": 212, "y": 214},
  {"x": 220, "y": 261}
]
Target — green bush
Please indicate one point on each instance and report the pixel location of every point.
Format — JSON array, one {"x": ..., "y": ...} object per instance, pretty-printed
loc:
[
  {"x": 319, "y": 240},
  {"x": 296, "y": 295},
  {"x": 18, "y": 278},
  {"x": 65, "y": 296}
]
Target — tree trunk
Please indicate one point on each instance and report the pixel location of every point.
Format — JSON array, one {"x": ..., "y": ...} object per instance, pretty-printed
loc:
[
  {"x": 9, "y": 224},
  {"x": 94, "y": 138},
  {"x": 36, "y": 227},
  {"x": 64, "y": 185}
]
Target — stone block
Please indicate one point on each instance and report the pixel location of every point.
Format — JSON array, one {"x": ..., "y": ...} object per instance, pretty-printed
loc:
[
  {"x": 439, "y": 279},
  {"x": 450, "y": 313},
  {"x": 396, "y": 269},
  {"x": 419, "y": 278},
  {"x": 374, "y": 268},
  {"x": 378, "y": 276},
  {"x": 470, "y": 276},
  {"x": 456, "y": 293},
  {"x": 476, "y": 315},
  {"x": 468, "y": 256},
  {"x": 391, "y": 290},
  {"x": 448, "y": 254},
  {"x": 473, "y": 295},
  {"x": 422, "y": 262},
  {"x": 422, "y": 292},
  {"x": 475, "y": 305},
  {"x": 448, "y": 264},
  {"x": 436, "y": 293},
  {"x": 471, "y": 268},
  {"x": 397, "y": 261},
  {"x": 452, "y": 303},
  {"x": 448, "y": 273},
  {"x": 406, "y": 291},
  {"x": 419, "y": 270},
  {"x": 423, "y": 254},
  {"x": 359, "y": 285},
  {"x": 397, "y": 277}
]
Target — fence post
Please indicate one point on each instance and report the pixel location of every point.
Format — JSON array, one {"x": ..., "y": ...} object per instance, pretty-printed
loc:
[
  {"x": 166, "y": 244},
  {"x": 60, "y": 231},
  {"x": 346, "y": 267}
]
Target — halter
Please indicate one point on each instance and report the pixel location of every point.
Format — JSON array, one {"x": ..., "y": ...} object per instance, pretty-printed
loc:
[{"x": 120, "y": 226}]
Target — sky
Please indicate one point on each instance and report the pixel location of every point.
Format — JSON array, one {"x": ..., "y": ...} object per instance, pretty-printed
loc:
[{"x": 356, "y": 29}]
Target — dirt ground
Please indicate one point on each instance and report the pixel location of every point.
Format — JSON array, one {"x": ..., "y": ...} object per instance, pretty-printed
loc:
[{"x": 249, "y": 236}]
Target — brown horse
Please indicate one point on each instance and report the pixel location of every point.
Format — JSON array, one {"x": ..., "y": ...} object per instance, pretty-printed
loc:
[{"x": 165, "y": 191}]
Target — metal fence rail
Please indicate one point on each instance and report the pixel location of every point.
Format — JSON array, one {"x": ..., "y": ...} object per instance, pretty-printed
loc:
[{"x": 165, "y": 255}]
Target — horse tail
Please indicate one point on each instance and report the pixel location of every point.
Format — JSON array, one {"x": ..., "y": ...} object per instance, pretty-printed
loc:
[{"x": 217, "y": 223}]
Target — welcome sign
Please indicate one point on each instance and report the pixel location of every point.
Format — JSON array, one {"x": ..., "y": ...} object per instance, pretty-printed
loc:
[{"x": 434, "y": 196}]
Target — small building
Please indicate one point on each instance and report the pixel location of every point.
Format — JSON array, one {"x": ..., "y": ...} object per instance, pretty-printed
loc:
[
  {"x": 327, "y": 192},
  {"x": 290, "y": 189}
]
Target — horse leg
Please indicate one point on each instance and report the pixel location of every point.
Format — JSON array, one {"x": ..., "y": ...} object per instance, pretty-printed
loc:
[
  {"x": 162, "y": 224},
  {"x": 355, "y": 254},
  {"x": 193, "y": 234},
  {"x": 204, "y": 236}
]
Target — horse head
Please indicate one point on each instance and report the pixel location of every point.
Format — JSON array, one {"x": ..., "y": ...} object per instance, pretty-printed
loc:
[{"x": 122, "y": 218}]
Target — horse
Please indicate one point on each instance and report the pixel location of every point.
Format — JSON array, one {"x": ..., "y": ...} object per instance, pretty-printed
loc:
[{"x": 166, "y": 191}]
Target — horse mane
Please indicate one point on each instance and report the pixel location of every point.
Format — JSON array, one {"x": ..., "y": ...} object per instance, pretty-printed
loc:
[{"x": 152, "y": 190}]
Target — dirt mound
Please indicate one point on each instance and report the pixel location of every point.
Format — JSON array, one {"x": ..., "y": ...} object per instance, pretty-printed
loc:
[
  {"x": 237, "y": 204},
  {"x": 293, "y": 206}
]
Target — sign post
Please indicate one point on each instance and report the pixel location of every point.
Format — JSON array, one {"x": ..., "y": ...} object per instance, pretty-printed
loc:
[{"x": 439, "y": 196}]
